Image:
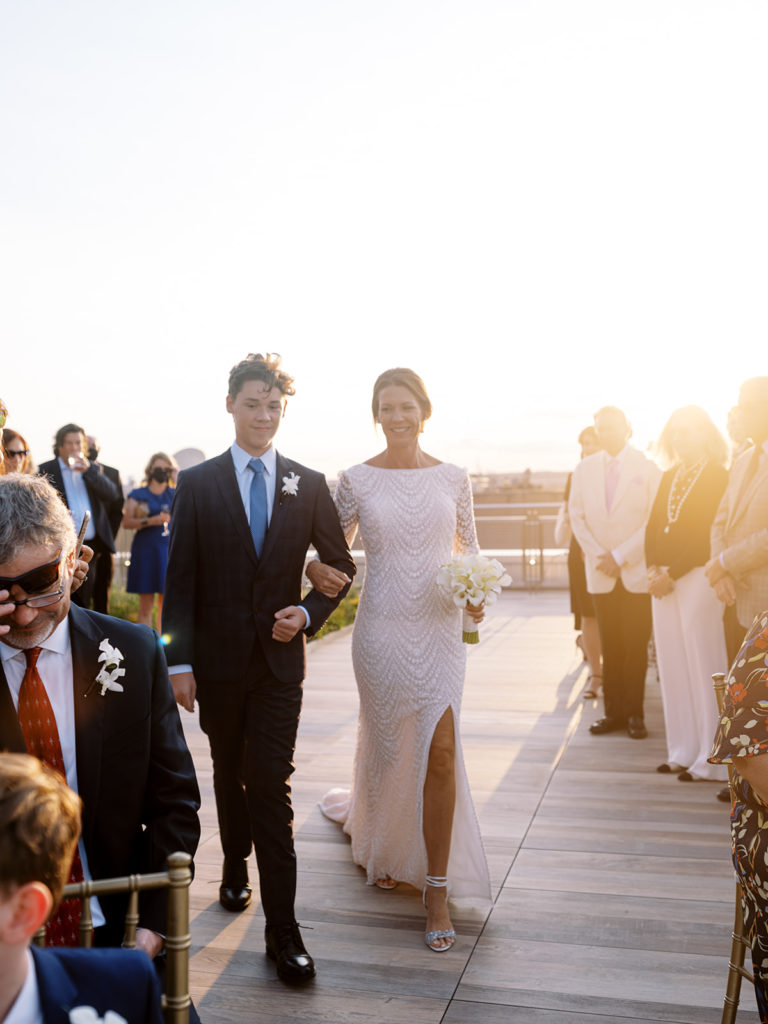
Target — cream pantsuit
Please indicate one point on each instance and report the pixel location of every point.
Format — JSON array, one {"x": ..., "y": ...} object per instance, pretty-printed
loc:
[{"x": 691, "y": 614}]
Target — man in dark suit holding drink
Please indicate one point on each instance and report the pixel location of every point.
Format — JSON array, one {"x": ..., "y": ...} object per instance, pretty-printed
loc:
[{"x": 235, "y": 626}]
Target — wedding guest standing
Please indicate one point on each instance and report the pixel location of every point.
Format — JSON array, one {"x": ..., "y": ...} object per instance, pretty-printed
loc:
[
  {"x": 148, "y": 512},
  {"x": 236, "y": 625},
  {"x": 687, "y": 617},
  {"x": 742, "y": 741},
  {"x": 18, "y": 458},
  {"x": 410, "y": 793},
  {"x": 83, "y": 487},
  {"x": 611, "y": 499},
  {"x": 738, "y": 568},
  {"x": 582, "y": 605}
]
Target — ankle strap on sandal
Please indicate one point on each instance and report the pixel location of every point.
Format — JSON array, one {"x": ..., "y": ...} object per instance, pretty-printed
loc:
[{"x": 437, "y": 881}]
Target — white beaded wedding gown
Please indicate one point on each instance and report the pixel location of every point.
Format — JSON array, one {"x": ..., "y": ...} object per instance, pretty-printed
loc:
[{"x": 409, "y": 663}]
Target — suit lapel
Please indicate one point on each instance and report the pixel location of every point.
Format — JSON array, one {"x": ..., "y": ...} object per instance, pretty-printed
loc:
[
  {"x": 279, "y": 506},
  {"x": 11, "y": 738},
  {"x": 232, "y": 503},
  {"x": 90, "y": 707}
]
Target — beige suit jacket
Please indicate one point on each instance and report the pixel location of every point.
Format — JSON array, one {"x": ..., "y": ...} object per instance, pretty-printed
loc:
[
  {"x": 740, "y": 535},
  {"x": 622, "y": 529}
]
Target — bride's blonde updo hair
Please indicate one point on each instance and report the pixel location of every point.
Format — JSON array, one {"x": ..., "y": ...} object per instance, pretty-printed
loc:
[{"x": 403, "y": 377}]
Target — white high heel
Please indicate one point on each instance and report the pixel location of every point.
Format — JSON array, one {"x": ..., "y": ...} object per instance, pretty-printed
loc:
[{"x": 448, "y": 934}]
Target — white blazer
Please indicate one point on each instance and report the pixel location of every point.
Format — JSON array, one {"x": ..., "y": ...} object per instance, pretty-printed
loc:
[{"x": 620, "y": 531}]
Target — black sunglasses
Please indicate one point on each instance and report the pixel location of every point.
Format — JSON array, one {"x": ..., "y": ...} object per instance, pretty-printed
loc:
[
  {"x": 40, "y": 578},
  {"x": 10, "y": 454}
]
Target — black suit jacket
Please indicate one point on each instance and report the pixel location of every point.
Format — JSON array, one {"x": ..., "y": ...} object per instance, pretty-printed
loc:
[
  {"x": 115, "y": 507},
  {"x": 122, "y": 980},
  {"x": 102, "y": 492},
  {"x": 220, "y": 596},
  {"x": 134, "y": 771}
]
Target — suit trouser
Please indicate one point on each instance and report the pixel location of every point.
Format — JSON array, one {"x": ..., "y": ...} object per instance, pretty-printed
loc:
[
  {"x": 251, "y": 725},
  {"x": 690, "y": 646},
  {"x": 624, "y": 621}
]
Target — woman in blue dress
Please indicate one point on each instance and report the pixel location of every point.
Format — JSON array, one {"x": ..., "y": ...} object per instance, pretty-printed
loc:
[{"x": 148, "y": 512}]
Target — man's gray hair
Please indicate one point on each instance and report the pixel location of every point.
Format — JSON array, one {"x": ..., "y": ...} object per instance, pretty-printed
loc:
[{"x": 32, "y": 513}]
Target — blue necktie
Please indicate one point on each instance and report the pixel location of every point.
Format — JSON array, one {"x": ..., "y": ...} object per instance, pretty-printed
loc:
[{"x": 258, "y": 505}]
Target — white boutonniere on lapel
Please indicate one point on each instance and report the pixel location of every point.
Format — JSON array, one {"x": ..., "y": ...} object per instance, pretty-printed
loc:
[
  {"x": 291, "y": 485},
  {"x": 110, "y": 671},
  {"x": 87, "y": 1015}
]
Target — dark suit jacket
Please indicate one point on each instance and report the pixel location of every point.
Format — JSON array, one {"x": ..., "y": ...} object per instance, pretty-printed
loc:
[
  {"x": 122, "y": 980},
  {"x": 134, "y": 772},
  {"x": 219, "y": 596},
  {"x": 101, "y": 493},
  {"x": 115, "y": 507}
]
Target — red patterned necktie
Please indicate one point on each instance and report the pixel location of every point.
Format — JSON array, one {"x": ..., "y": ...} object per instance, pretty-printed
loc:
[{"x": 41, "y": 736}]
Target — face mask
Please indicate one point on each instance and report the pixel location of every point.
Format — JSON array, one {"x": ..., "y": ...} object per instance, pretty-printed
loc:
[{"x": 159, "y": 475}]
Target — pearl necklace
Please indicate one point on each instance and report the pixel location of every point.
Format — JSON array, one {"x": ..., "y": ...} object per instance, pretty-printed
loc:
[{"x": 682, "y": 485}]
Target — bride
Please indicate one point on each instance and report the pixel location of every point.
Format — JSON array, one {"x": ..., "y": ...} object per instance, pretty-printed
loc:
[{"x": 409, "y": 813}]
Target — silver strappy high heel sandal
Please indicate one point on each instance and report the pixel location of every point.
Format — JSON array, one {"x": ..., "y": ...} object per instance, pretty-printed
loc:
[{"x": 439, "y": 934}]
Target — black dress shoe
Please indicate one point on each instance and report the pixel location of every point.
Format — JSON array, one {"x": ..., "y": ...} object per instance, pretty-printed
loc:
[
  {"x": 284, "y": 946},
  {"x": 235, "y": 891},
  {"x": 725, "y": 794},
  {"x": 235, "y": 897},
  {"x": 607, "y": 724},
  {"x": 636, "y": 728}
]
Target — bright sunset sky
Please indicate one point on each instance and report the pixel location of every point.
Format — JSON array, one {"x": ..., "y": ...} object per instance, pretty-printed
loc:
[{"x": 542, "y": 206}]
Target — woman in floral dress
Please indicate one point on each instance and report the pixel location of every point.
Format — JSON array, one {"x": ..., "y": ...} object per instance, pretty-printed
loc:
[{"x": 742, "y": 740}]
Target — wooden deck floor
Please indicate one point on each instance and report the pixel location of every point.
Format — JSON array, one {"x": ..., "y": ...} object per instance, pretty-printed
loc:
[{"x": 613, "y": 890}]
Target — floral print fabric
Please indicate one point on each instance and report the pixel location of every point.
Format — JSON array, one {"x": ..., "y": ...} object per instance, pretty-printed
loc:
[{"x": 743, "y": 732}]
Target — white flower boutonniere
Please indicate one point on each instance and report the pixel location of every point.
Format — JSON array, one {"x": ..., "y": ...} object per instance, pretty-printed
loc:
[
  {"x": 87, "y": 1015},
  {"x": 291, "y": 485},
  {"x": 110, "y": 671}
]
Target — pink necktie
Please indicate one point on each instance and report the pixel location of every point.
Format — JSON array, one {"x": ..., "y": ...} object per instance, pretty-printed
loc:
[
  {"x": 41, "y": 736},
  {"x": 611, "y": 479}
]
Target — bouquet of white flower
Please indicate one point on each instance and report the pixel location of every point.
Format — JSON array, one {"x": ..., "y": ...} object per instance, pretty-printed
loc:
[{"x": 472, "y": 579}]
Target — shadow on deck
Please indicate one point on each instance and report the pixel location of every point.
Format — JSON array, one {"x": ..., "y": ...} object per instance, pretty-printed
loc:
[{"x": 613, "y": 889}]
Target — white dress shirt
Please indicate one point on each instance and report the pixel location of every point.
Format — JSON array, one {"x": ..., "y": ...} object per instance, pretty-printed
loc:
[
  {"x": 26, "y": 1008},
  {"x": 55, "y": 668},
  {"x": 77, "y": 498},
  {"x": 244, "y": 476}
]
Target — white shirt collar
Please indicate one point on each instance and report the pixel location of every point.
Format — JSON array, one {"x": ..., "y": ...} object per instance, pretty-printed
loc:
[
  {"x": 26, "y": 1008},
  {"x": 617, "y": 458},
  {"x": 58, "y": 642},
  {"x": 241, "y": 458}
]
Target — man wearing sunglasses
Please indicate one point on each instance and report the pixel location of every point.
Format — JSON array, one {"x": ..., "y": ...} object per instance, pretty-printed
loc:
[{"x": 89, "y": 695}]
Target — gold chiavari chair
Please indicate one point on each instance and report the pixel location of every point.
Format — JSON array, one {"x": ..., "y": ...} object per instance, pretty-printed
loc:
[
  {"x": 177, "y": 879},
  {"x": 739, "y": 941}
]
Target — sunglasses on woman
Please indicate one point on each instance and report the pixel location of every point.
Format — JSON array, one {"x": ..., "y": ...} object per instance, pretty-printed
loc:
[{"x": 10, "y": 453}]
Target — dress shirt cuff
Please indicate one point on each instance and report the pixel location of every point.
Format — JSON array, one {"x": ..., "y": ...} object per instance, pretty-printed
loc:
[
  {"x": 308, "y": 623},
  {"x": 721, "y": 561},
  {"x": 174, "y": 670},
  {"x": 618, "y": 558}
]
